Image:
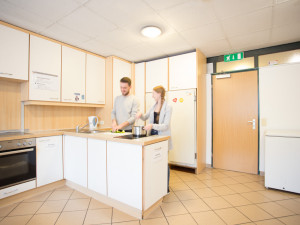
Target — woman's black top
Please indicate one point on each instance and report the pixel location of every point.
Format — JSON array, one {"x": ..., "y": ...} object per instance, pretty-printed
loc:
[
  {"x": 156, "y": 117},
  {"x": 156, "y": 121}
]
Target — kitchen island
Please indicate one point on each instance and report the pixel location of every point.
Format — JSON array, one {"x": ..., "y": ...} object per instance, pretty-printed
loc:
[{"x": 127, "y": 174}]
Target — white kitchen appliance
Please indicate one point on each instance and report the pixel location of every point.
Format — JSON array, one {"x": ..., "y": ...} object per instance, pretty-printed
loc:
[
  {"x": 282, "y": 156},
  {"x": 93, "y": 121},
  {"x": 183, "y": 126}
]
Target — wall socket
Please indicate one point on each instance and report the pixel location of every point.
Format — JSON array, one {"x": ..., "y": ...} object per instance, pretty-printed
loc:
[{"x": 101, "y": 122}]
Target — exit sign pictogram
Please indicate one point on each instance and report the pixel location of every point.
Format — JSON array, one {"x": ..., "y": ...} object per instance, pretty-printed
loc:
[{"x": 234, "y": 57}]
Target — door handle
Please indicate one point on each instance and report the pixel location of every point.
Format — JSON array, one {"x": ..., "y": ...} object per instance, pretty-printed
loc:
[{"x": 253, "y": 123}]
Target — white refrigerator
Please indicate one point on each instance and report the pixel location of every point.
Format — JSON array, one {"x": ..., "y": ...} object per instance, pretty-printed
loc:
[{"x": 183, "y": 126}]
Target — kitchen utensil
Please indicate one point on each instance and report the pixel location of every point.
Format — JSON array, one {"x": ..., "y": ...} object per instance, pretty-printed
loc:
[
  {"x": 93, "y": 121},
  {"x": 138, "y": 131}
]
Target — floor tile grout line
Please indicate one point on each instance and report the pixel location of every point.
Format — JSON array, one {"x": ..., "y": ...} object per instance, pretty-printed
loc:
[
  {"x": 251, "y": 219},
  {"x": 64, "y": 206},
  {"x": 36, "y": 211},
  {"x": 17, "y": 204},
  {"x": 275, "y": 203},
  {"x": 188, "y": 210},
  {"x": 112, "y": 213},
  {"x": 164, "y": 214},
  {"x": 86, "y": 211}
]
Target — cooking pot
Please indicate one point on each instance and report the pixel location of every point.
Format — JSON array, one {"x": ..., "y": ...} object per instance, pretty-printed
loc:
[{"x": 138, "y": 131}]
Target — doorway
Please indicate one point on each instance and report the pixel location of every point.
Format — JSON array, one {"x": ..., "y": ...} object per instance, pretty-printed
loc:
[{"x": 235, "y": 121}]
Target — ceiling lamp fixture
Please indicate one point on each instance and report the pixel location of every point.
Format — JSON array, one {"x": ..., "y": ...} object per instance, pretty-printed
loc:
[{"x": 151, "y": 31}]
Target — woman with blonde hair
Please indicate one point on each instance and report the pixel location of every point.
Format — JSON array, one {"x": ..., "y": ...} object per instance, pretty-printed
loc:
[{"x": 159, "y": 117}]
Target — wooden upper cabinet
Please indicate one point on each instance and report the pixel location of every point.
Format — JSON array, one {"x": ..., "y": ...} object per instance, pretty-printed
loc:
[
  {"x": 95, "y": 79},
  {"x": 45, "y": 70},
  {"x": 156, "y": 74},
  {"x": 73, "y": 75},
  {"x": 121, "y": 68},
  {"x": 183, "y": 71},
  {"x": 14, "y": 47}
]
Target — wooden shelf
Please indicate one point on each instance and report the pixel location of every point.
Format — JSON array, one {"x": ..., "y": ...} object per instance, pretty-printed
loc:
[{"x": 70, "y": 104}]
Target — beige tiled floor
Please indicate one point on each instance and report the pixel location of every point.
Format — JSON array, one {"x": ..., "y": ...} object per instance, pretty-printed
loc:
[{"x": 212, "y": 197}]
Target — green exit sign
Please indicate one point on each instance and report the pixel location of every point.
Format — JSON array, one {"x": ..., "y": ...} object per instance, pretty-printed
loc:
[{"x": 234, "y": 57}]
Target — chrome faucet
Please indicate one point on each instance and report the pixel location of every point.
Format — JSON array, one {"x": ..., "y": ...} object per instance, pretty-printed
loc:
[{"x": 78, "y": 128}]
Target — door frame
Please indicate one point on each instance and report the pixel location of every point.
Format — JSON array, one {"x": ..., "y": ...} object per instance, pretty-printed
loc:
[{"x": 258, "y": 113}]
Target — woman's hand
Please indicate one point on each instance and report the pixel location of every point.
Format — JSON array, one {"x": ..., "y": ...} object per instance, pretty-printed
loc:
[
  {"x": 138, "y": 115},
  {"x": 148, "y": 127}
]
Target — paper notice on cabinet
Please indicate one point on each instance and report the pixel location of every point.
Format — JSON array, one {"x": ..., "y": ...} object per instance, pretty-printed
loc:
[{"x": 45, "y": 82}]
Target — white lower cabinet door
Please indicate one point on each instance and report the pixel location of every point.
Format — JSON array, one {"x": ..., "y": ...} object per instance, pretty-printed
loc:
[
  {"x": 155, "y": 183},
  {"x": 75, "y": 159},
  {"x": 97, "y": 165},
  {"x": 49, "y": 160},
  {"x": 124, "y": 173}
]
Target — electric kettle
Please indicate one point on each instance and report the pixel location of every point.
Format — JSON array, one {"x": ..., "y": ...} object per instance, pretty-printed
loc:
[{"x": 93, "y": 121}]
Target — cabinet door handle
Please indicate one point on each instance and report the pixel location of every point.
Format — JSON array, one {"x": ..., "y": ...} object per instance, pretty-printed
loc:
[
  {"x": 6, "y": 193},
  {"x": 10, "y": 74},
  {"x": 16, "y": 152},
  {"x": 47, "y": 74}
]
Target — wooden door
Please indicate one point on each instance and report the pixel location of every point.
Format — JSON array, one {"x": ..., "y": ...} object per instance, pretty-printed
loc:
[{"x": 235, "y": 106}]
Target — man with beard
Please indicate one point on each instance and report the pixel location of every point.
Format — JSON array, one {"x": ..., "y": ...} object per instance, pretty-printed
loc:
[{"x": 125, "y": 108}]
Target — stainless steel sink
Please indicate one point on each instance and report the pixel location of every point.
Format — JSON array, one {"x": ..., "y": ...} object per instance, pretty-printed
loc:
[
  {"x": 86, "y": 131},
  {"x": 92, "y": 131}
]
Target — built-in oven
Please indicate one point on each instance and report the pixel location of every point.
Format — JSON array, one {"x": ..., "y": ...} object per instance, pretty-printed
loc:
[{"x": 17, "y": 162}]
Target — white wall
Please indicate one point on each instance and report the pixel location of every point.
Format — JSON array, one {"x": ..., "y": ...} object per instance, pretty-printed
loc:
[{"x": 279, "y": 94}]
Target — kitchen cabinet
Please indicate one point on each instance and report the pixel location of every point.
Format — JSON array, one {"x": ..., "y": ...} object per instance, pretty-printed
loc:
[
  {"x": 75, "y": 160},
  {"x": 282, "y": 155},
  {"x": 49, "y": 165},
  {"x": 155, "y": 172},
  {"x": 73, "y": 75},
  {"x": 182, "y": 71},
  {"x": 14, "y": 48},
  {"x": 95, "y": 79},
  {"x": 157, "y": 74},
  {"x": 140, "y": 88},
  {"x": 97, "y": 165},
  {"x": 124, "y": 173},
  {"x": 45, "y": 70},
  {"x": 121, "y": 68}
]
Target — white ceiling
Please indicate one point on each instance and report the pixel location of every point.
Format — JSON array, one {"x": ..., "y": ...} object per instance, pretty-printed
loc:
[{"x": 112, "y": 27}]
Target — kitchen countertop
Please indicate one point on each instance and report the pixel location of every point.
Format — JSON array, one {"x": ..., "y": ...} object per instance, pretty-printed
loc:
[{"x": 108, "y": 136}]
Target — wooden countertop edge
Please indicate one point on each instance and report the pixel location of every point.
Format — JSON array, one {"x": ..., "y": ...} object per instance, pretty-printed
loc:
[{"x": 141, "y": 141}]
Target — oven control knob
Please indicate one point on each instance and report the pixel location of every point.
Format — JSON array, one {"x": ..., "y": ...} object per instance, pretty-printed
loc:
[
  {"x": 19, "y": 144},
  {"x": 29, "y": 143},
  {"x": 24, "y": 143},
  {"x": 0, "y": 146}
]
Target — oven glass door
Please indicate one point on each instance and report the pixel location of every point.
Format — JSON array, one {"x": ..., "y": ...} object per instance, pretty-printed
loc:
[{"x": 17, "y": 166}]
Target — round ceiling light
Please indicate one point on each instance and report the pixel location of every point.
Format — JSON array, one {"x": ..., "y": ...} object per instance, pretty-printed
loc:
[{"x": 151, "y": 31}]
